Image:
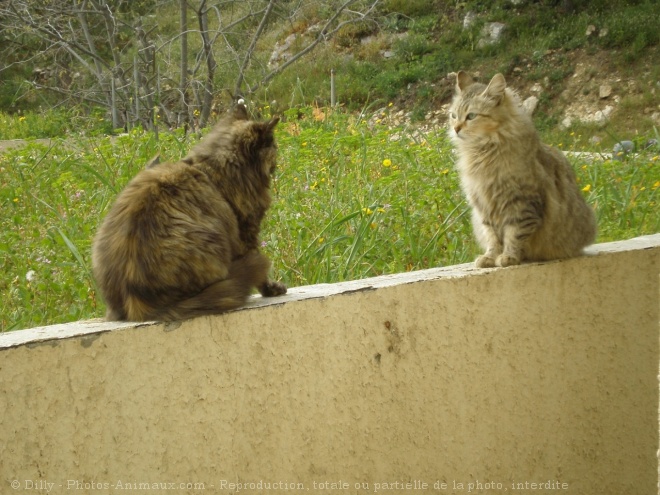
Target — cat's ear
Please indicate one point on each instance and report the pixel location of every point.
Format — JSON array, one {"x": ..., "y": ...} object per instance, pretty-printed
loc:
[
  {"x": 270, "y": 125},
  {"x": 239, "y": 112},
  {"x": 496, "y": 87},
  {"x": 463, "y": 80},
  {"x": 264, "y": 130},
  {"x": 262, "y": 135}
]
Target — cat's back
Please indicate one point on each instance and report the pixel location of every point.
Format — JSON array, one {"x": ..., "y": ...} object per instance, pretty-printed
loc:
[
  {"x": 160, "y": 183},
  {"x": 554, "y": 162},
  {"x": 165, "y": 209},
  {"x": 157, "y": 195}
]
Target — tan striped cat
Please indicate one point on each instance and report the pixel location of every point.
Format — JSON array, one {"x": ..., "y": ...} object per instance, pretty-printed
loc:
[{"x": 526, "y": 204}]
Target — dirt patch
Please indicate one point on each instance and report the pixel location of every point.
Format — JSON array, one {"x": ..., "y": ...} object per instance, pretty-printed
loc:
[{"x": 17, "y": 143}]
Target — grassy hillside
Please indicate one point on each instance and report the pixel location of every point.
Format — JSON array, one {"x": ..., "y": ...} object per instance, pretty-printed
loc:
[
  {"x": 544, "y": 42},
  {"x": 405, "y": 53}
]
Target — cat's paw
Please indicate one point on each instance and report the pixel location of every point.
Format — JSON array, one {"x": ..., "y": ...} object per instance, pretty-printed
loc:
[
  {"x": 272, "y": 289},
  {"x": 507, "y": 260},
  {"x": 484, "y": 261}
]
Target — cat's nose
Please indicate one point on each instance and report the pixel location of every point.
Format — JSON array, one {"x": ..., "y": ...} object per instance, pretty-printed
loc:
[{"x": 457, "y": 129}]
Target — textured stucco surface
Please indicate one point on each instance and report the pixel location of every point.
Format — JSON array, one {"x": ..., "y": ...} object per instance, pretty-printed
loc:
[{"x": 543, "y": 372}]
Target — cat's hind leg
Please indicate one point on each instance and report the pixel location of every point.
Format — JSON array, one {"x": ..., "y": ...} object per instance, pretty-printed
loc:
[
  {"x": 516, "y": 238},
  {"x": 244, "y": 273},
  {"x": 525, "y": 218}
]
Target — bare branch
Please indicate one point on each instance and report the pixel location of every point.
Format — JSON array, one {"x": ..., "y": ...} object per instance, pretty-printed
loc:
[{"x": 250, "y": 50}]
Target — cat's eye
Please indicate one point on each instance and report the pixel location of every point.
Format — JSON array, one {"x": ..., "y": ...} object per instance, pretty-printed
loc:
[{"x": 471, "y": 116}]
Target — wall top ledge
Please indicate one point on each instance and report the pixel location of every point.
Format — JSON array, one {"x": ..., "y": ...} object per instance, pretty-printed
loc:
[{"x": 91, "y": 328}]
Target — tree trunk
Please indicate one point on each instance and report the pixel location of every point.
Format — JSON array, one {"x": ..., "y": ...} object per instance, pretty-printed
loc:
[
  {"x": 207, "y": 101},
  {"x": 183, "y": 85}
]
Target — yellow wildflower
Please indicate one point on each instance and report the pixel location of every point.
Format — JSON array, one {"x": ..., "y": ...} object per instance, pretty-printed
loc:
[
  {"x": 387, "y": 162},
  {"x": 587, "y": 188},
  {"x": 367, "y": 211}
]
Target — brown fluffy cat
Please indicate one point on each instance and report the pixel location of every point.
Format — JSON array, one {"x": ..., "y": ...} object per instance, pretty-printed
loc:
[
  {"x": 181, "y": 239},
  {"x": 526, "y": 204}
]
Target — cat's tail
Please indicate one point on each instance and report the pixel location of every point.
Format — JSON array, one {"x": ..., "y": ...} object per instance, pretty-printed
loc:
[{"x": 244, "y": 274}]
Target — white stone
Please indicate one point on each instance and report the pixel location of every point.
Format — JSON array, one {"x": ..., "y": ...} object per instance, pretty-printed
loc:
[
  {"x": 530, "y": 104},
  {"x": 469, "y": 19},
  {"x": 566, "y": 123},
  {"x": 604, "y": 91},
  {"x": 537, "y": 88},
  {"x": 491, "y": 34}
]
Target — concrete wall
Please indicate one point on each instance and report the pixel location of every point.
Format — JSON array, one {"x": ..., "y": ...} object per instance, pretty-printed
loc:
[{"x": 466, "y": 380}]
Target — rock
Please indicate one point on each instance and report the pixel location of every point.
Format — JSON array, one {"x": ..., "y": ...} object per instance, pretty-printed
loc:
[
  {"x": 530, "y": 104},
  {"x": 595, "y": 140},
  {"x": 604, "y": 91},
  {"x": 387, "y": 53},
  {"x": 491, "y": 34},
  {"x": 602, "y": 116},
  {"x": 566, "y": 123},
  {"x": 469, "y": 19},
  {"x": 314, "y": 29},
  {"x": 537, "y": 88},
  {"x": 591, "y": 29},
  {"x": 281, "y": 51},
  {"x": 651, "y": 143},
  {"x": 621, "y": 149}
]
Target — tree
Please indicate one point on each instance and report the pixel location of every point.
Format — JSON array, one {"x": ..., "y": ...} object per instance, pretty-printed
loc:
[{"x": 115, "y": 54}]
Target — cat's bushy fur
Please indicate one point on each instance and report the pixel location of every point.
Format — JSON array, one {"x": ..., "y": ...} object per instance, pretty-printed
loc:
[
  {"x": 181, "y": 240},
  {"x": 526, "y": 204}
]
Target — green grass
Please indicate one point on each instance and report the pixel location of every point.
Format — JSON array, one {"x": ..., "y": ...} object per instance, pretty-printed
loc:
[
  {"x": 350, "y": 201},
  {"x": 53, "y": 123}
]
